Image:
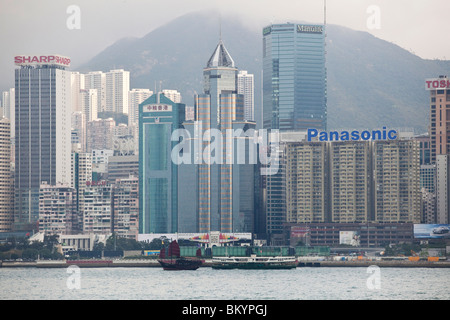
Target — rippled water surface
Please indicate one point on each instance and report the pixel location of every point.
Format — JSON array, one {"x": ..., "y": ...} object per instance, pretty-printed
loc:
[{"x": 206, "y": 283}]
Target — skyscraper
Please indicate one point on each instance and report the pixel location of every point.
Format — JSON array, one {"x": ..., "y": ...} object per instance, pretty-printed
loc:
[
  {"x": 443, "y": 189},
  {"x": 396, "y": 176},
  {"x": 6, "y": 185},
  {"x": 8, "y": 101},
  {"x": 246, "y": 85},
  {"x": 439, "y": 115},
  {"x": 117, "y": 86},
  {"x": 43, "y": 134},
  {"x": 97, "y": 80},
  {"x": 135, "y": 97},
  {"x": 294, "y": 77},
  {"x": 225, "y": 189},
  {"x": 158, "y": 183}
]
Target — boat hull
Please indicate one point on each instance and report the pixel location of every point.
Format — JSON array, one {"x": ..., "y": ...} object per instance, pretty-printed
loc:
[{"x": 180, "y": 264}]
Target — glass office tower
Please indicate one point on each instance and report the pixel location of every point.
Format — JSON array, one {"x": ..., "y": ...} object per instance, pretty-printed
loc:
[
  {"x": 294, "y": 77},
  {"x": 43, "y": 141},
  {"x": 224, "y": 201},
  {"x": 158, "y": 183}
]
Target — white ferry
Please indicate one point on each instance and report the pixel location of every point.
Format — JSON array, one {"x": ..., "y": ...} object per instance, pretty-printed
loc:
[{"x": 254, "y": 262}]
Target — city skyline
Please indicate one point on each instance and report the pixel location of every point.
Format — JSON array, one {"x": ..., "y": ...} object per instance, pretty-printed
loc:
[{"x": 219, "y": 107}]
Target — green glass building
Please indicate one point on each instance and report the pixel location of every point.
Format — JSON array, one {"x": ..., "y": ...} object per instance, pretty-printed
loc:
[
  {"x": 158, "y": 183},
  {"x": 294, "y": 77}
]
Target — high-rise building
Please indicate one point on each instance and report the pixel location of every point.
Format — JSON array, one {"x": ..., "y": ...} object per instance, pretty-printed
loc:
[
  {"x": 88, "y": 103},
  {"x": 117, "y": 86},
  {"x": 135, "y": 97},
  {"x": 396, "y": 174},
  {"x": 43, "y": 131},
  {"x": 443, "y": 189},
  {"x": 57, "y": 209},
  {"x": 158, "y": 183},
  {"x": 439, "y": 115},
  {"x": 79, "y": 131},
  {"x": 8, "y": 102},
  {"x": 98, "y": 208},
  {"x": 350, "y": 184},
  {"x": 245, "y": 84},
  {"x": 126, "y": 208},
  {"x": 97, "y": 80},
  {"x": 81, "y": 176},
  {"x": 100, "y": 133},
  {"x": 77, "y": 84},
  {"x": 294, "y": 77},
  {"x": 306, "y": 182},
  {"x": 6, "y": 183},
  {"x": 220, "y": 108},
  {"x": 173, "y": 95},
  {"x": 122, "y": 167}
]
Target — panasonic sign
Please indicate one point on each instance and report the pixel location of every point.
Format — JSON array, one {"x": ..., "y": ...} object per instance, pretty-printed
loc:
[{"x": 355, "y": 135}]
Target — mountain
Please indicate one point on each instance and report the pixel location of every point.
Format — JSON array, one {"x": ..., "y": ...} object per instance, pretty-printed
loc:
[{"x": 371, "y": 82}]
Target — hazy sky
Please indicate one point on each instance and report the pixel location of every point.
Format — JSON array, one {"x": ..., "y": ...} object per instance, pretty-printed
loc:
[{"x": 51, "y": 26}]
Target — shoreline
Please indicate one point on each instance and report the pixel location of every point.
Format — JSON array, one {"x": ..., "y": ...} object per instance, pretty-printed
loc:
[{"x": 207, "y": 263}]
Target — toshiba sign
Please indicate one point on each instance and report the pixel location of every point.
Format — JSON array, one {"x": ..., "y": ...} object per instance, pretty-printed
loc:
[
  {"x": 41, "y": 60},
  {"x": 435, "y": 84}
]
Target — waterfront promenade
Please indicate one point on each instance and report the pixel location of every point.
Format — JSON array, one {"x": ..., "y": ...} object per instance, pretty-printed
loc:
[{"x": 154, "y": 263}]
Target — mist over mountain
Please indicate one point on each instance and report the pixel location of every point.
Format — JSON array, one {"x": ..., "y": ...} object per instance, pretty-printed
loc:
[{"x": 371, "y": 82}]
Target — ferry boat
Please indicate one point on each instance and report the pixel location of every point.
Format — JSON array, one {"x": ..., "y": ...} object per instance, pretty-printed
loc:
[{"x": 254, "y": 262}]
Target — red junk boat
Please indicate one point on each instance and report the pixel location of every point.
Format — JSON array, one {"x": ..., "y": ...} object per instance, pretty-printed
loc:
[{"x": 173, "y": 261}]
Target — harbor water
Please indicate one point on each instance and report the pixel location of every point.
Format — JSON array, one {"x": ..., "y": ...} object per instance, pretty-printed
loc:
[{"x": 324, "y": 283}]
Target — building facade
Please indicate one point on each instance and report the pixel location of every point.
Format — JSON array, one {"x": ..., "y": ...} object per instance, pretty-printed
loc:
[
  {"x": 98, "y": 208},
  {"x": 126, "y": 208},
  {"x": 443, "y": 189},
  {"x": 158, "y": 184},
  {"x": 220, "y": 109},
  {"x": 6, "y": 182},
  {"x": 97, "y": 80},
  {"x": 57, "y": 210},
  {"x": 439, "y": 89},
  {"x": 246, "y": 84},
  {"x": 100, "y": 134},
  {"x": 43, "y": 134},
  {"x": 117, "y": 87},
  {"x": 294, "y": 77},
  {"x": 352, "y": 182}
]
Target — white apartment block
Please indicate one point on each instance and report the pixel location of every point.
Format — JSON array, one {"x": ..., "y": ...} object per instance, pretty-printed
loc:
[
  {"x": 117, "y": 88},
  {"x": 245, "y": 85},
  {"x": 97, "y": 214},
  {"x": 9, "y": 110},
  {"x": 77, "y": 84},
  {"x": 135, "y": 97},
  {"x": 173, "y": 95},
  {"x": 97, "y": 80},
  {"x": 57, "y": 204}
]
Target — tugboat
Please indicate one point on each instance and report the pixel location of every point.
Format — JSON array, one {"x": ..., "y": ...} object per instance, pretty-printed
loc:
[{"x": 173, "y": 261}]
